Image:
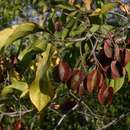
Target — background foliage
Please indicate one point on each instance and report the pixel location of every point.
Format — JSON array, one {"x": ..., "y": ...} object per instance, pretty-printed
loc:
[{"x": 64, "y": 64}]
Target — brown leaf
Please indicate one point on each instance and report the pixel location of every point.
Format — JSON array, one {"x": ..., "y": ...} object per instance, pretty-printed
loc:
[
  {"x": 91, "y": 81},
  {"x": 87, "y": 4}
]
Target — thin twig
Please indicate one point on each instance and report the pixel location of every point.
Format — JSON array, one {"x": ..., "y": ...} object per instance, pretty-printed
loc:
[
  {"x": 59, "y": 114},
  {"x": 86, "y": 106},
  {"x": 87, "y": 37},
  {"x": 116, "y": 120},
  {"x": 15, "y": 114},
  {"x": 65, "y": 115}
]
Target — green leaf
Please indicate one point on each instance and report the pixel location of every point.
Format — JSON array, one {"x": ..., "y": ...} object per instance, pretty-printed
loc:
[
  {"x": 104, "y": 9},
  {"x": 116, "y": 84},
  {"x": 18, "y": 85},
  {"x": 66, "y": 6},
  {"x": 127, "y": 67},
  {"x": 40, "y": 90},
  {"x": 38, "y": 45},
  {"x": 94, "y": 28},
  {"x": 105, "y": 28},
  {"x": 80, "y": 29},
  {"x": 9, "y": 35},
  {"x": 107, "y": 7},
  {"x": 65, "y": 33}
]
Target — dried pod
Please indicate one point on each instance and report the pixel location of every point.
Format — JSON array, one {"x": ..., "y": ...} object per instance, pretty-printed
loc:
[
  {"x": 105, "y": 95},
  {"x": 65, "y": 71},
  {"x": 116, "y": 70},
  {"x": 108, "y": 48},
  {"x": 76, "y": 79},
  {"x": 58, "y": 26},
  {"x": 92, "y": 81}
]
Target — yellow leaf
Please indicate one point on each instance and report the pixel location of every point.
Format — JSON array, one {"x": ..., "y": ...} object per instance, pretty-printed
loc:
[
  {"x": 18, "y": 85},
  {"x": 104, "y": 9},
  {"x": 40, "y": 90},
  {"x": 10, "y": 34},
  {"x": 87, "y": 4},
  {"x": 96, "y": 12},
  {"x": 39, "y": 99}
]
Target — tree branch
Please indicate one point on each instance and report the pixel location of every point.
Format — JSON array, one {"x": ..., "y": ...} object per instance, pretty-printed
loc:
[
  {"x": 116, "y": 120},
  {"x": 15, "y": 114}
]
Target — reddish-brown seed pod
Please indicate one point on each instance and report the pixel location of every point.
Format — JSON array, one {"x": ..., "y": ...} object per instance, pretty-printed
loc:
[
  {"x": 58, "y": 26},
  {"x": 65, "y": 71},
  {"x": 108, "y": 48},
  {"x": 127, "y": 57},
  {"x": 76, "y": 79},
  {"x": 116, "y": 70},
  {"x": 81, "y": 89},
  {"x": 17, "y": 125},
  {"x": 117, "y": 53},
  {"x": 105, "y": 95},
  {"x": 91, "y": 81}
]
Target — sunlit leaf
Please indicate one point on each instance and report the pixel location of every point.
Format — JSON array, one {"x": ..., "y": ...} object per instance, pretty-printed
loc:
[
  {"x": 37, "y": 46},
  {"x": 104, "y": 9},
  {"x": 96, "y": 12},
  {"x": 107, "y": 7},
  {"x": 40, "y": 90},
  {"x": 10, "y": 34},
  {"x": 18, "y": 85}
]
